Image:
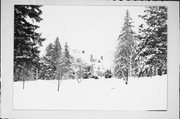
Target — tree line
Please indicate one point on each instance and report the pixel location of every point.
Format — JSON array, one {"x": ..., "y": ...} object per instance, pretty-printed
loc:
[
  {"x": 56, "y": 63},
  {"x": 137, "y": 54},
  {"x": 145, "y": 53}
]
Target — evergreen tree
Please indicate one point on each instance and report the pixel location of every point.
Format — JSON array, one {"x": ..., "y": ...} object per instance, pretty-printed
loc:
[
  {"x": 58, "y": 61},
  {"x": 153, "y": 47},
  {"x": 124, "y": 63},
  {"x": 108, "y": 74},
  {"x": 48, "y": 68},
  {"x": 67, "y": 58},
  {"x": 64, "y": 65},
  {"x": 51, "y": 59},
  {"x": 57, "y": 50},
  {"x": 26, "y": 39},
  {"x": 56, "y": 64}
]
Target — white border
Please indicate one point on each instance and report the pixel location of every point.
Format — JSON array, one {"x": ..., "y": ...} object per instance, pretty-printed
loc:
[{"x": 7, "y": 23}]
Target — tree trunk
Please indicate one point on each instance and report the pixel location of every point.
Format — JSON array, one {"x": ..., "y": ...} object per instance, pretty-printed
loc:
[
  {"x": 78, "y": 80},
  {"x": 130, "y": 67},
  {"x": 126, "y": 82},
  {"x": 156, "y": 70},
  {"x": 130, "y": 70},
  {"x": 58, "y": 85},
  {"x": 23, "y": 83},
  {"x": 36, "y": 74},
  {"x": 59, "y": 77}
]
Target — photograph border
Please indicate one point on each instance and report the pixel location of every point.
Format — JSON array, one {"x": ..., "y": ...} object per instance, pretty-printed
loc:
[{"x": 7, "y": 64}]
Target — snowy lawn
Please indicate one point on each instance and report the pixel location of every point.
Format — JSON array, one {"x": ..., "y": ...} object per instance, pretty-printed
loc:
[{"x": 93, "y": 94}]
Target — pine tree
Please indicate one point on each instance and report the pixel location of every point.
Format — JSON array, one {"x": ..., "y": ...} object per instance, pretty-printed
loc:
[
  {"x": 26, "y": 39},
  {"x": 48, "y": 63},
  {"x": 51, "y": 60},
  {"x": 59, "y": 64},
  {"x": 67, "y": 56},
  {"x": 153, "y": 47},
  {"x": 124, "y": 63},
  {"x": 64, "y": 65},
  {"x": 67, "y": 61},
  {"x": 57, "y": 50},
  {"x": 56, "y": 64}
]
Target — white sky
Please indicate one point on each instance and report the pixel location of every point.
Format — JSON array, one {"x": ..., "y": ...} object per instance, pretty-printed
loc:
[{"x": 94, "y": 29}]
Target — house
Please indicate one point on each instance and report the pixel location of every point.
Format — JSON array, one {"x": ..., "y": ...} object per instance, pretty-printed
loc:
[{"x": 89, "y": 60}]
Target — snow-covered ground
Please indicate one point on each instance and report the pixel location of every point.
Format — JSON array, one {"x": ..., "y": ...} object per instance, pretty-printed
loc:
[{"x": 93, "y": 94}]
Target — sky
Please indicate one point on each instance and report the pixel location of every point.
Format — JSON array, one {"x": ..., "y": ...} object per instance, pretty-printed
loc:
[{"x": 94, "y": 29}]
